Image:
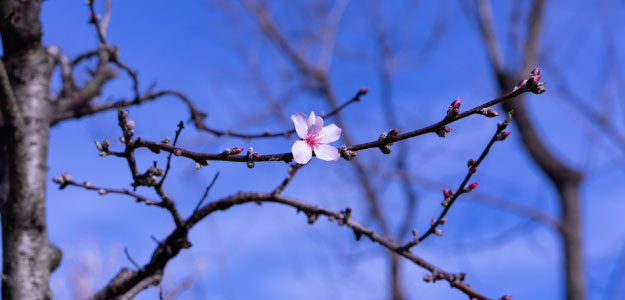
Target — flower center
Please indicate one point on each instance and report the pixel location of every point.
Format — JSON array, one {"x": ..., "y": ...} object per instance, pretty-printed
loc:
[{"x": 312, "y": 140}]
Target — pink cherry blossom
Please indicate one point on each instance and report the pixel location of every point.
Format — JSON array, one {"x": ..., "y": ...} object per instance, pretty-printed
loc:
[{"x": 315, "y": 138}]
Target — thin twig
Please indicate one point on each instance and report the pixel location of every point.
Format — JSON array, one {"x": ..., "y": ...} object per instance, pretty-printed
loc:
[
  {"x": 102, "y": 191},
  {"x": 292, "y": 170},
  {"x": 168, "y": 166},
  {"x": 94, "y": 20},
  {"x": 449, "y": 200},
  {"x": 208, "y": 188},
  {"x": 131, "y": 259}
]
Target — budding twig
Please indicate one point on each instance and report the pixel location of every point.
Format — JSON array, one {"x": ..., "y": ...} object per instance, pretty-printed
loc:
[{"x": 449, "y": 195}]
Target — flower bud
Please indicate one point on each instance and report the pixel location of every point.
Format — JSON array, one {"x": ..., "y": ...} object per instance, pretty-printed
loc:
[
  {"x": 472, "y": 170},
  {"x": 427, "y": 278},
  {"x": 541, "y": 89},
  {"x": 489, "y": 112},
  {"x": 348, "y": 214},
  {"x": 438, "y": 232},
  {"x": 520, "y": 84},
  {"x": 382, "y": 136},
  {"x": 454, "y": 108},
  {"x": 393, "y": 132},
  {"x": 166, "y": 140},
  {"x": 442, "y": 132},
  {"x": 535, "y": 72},
  {"x": 385, "y": 149},
  {"x": 66, "y": 177},
  {"x": 471, "y": 186},
  {"x": 470, "y": 162},
  {"x": 502, "y": 135},
  {"x": 506, "y": 297},
  {"x": 236, "y": 150}
]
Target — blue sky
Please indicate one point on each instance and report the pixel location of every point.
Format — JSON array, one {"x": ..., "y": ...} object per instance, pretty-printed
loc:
[{"x": 269, "y": 252}]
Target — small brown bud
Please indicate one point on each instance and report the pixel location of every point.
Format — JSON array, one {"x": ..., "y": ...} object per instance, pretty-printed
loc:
[{"x": 470, "y": 162}]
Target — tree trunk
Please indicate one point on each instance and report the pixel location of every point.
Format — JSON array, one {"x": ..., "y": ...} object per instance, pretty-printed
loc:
[
  {"x": 28, "y": 257},
  {"x": 566, "y": 180}
]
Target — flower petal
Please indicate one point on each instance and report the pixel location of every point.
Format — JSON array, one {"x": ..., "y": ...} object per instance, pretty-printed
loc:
[
  {"x": 327, "y": 152},
  {"x": 301, "y": 152},
  {"x": 301, "y": 125},
  {"x": 316, "y": 128},
  {"x": 329, "y": 134},
  {"x": 313, "y": 124},
  {"x": 311, "y": 119}
]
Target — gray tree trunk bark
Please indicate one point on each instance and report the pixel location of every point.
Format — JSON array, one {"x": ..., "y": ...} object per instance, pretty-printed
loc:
[{"x": 28, "y": 256}]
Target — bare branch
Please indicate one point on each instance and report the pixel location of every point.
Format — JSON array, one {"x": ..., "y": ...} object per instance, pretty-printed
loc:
[
  {"x": 100, "y": 30},
  {"x": 66, "y": 69},
  {"x": 87, "y": 54},
  {"x": 450, "y": 196},
  {"x": 292, "y": 170},
  {"x": 208, "y": 188},
  {"x": 329, "y": 33},
  {"x": 134, "y": 263},
  {"x": 485, "y": 22},
  {"x": 168, "y": 166},
  {"x": 287, "y": 157},
  {"x": 64, "y": 181}
]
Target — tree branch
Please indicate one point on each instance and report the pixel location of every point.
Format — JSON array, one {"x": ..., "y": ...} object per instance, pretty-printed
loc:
[{"x": 287, "y": 157}]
